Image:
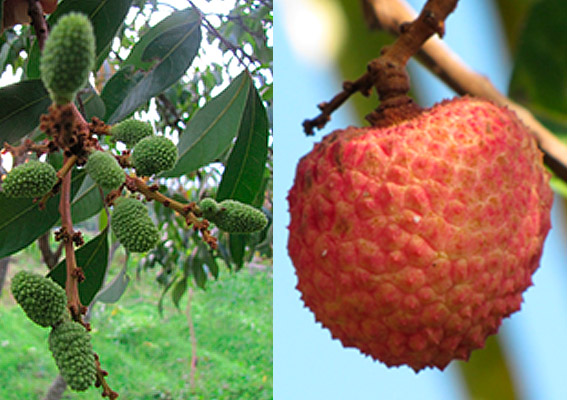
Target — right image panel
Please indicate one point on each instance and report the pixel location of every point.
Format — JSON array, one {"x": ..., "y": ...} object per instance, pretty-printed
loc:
[{"x": 420, "y": 200}]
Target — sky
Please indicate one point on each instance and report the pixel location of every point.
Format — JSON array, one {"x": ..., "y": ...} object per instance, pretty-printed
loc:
[{"x": 308, "y": 364}]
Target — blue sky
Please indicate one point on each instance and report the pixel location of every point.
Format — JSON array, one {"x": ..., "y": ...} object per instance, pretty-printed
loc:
[{"x": 308, "y": 364}]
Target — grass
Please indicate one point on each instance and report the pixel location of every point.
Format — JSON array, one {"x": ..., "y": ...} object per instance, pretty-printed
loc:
[{"x": 148, "y": 356}]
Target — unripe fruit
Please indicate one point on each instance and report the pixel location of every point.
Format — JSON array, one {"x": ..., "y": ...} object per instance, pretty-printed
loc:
[
  {"x": 32, "y": 179},
  {"x": 68, "y": 57},
  {"x": 105, "y": 170},
  {"x": 233, "y": 216},
  {"x": 154, "y": 154},
  {"x": 71, "y": 347},
  {"x": 131, "y": 131},
  {"x": 133, "y": 226},
  {"x": 43, "y": 300},
  {"x": 412, "y": 242}
]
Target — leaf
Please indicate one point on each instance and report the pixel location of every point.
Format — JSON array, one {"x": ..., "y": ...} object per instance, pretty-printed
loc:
[
  {"x": 237, "y": 244},
  {"x": 21, "y": 105},
  {"x": 212, "y": 129},
  {"x": 207, "y": 257},
  {"x": 21, "y": 220},
  {"x": 92, "y": 257},
  {"x": 178, "y": 291},
  {"x": 161, "y": 298},
  {"x": 106, "y": 17},
  {"x": 92, "y": 104},
  {"x": 112, "y": 292},
  {"x": 87, "y": 202},
  {"x": 539, "y": 80},
  {"x": 244, "y": 171},
  {"x": 164, "y": 54},
  {"x": 487, "y": 374},
  {"x": 199, "y": 274}
]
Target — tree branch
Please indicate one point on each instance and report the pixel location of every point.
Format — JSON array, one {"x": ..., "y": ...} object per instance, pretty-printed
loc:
[
  {"x": 39, "y": 24},
  {"x": 390, "y": 15}
]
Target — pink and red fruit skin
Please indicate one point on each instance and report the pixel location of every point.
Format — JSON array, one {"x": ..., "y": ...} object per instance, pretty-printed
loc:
[{"x": 413, "y": 242}]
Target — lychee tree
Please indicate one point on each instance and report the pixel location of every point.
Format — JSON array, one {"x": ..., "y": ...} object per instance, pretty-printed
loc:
[
  {"x": 351, "y": 236},
  {"x": 136, "y": 128}
]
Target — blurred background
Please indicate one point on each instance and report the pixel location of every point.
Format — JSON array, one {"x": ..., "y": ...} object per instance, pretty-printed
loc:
[{"x": 521, "y": 46}]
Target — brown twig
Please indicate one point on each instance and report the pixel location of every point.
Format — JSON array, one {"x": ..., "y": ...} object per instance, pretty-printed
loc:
[
  {"x": 39, "y": 23},
  {"x": 224, "y": 41},
  {"x": 189, "y": 211},
  {"x": 387, "y": 73},
  {"x": 101, "y": 381},
  {"x": 390, "y": 15}
]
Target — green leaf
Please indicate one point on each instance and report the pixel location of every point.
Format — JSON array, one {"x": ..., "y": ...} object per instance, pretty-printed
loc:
[
  {"x": 105, "y": 15},
  {"x": 237, "y": 245},
  {"x": 206, "y": 255},
  {"x": 21, "y": 220},
  {"x": 487, "y": 375},
  {"x": 163, "y": 54},
  {"x": 212, "y": 129},
  {"x": 244, "y": 171},
  {"x": 92, "y": 104},
  {"x": 21, "y": 105},
  {"x": 199, "y": 274},
  {"x": 112, "y": 292},
  {"x": 87, "y": 202},
  {"x": 162, "y": 297},
  {"x": 539, "y": 80},
  {"x": 92, "y": 257},
  {"x": 178, "y": 291}
]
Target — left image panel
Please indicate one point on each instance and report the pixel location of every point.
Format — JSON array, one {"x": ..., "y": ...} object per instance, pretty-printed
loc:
[{"x": 136, "y": 199}]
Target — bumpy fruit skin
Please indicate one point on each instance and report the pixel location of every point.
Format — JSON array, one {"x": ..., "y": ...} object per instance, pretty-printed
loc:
[
  {"x": 105, "y": 170},
  {"x": 71, "y": 347},
  {"x": 133, "y": 226},
  {"x": 413, "y": 242},
  {"x": 68, "y": 57},
  {"x": 131, "y": 131},
  {"x": 32, "y": 179},
  {"x": 233, "y": 216},
  {"x": 154, "y": 154},
  {"x": 43, "y": 300}
]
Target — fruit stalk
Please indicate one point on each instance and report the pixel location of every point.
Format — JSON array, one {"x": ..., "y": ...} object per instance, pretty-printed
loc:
[
  {"x": 387, "y": 73},
  {"x": 389, "y": 15},
  {"x": 72, "y": 283}
]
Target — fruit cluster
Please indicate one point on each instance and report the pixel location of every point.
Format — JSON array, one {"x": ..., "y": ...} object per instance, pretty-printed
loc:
[{"x": 44, "y": 302}]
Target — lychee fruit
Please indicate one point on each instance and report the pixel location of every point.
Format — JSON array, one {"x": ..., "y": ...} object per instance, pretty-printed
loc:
[{"x": 413, "y": 241}]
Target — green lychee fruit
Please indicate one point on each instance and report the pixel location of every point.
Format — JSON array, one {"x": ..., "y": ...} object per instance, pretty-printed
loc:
[
  {"x": 68, "y": 57},
  {"x": 105, "y": 170},
  {"x": 412, "y": 242},
  {"x": 233, "y": 216},
  {"x": 71, "y": 347},
  {"x": 43, "y": 300},
  {"x": 131, "y": 131},
  {"x": 133, "y": 226},
  {"x": 154, "y": 154},
  {"x": 32, "y": 179}
]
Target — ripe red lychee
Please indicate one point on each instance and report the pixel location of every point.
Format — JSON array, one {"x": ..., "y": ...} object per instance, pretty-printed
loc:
[{"x": 412, "y": 242}]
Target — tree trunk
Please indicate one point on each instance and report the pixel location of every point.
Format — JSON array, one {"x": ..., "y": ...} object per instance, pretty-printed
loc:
[
  {"x": 3, "y": 271},
  {"x": 56, "y": 389}
]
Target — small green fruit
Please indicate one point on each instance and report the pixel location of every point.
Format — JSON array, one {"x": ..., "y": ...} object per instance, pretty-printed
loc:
[
  {"x": 71, "y": 347},
  {"x": 154, "y": 154},
  {"x": 68, "y": 57},
  {"x": 105, "y": 170},
  {"x": 233, "y": 216},
  {"x": 133, "y": 226},
  {"x": 131, "y": 131},
  {"x": 43, "y": 300},
  {"x": 32, "y": 179}
]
